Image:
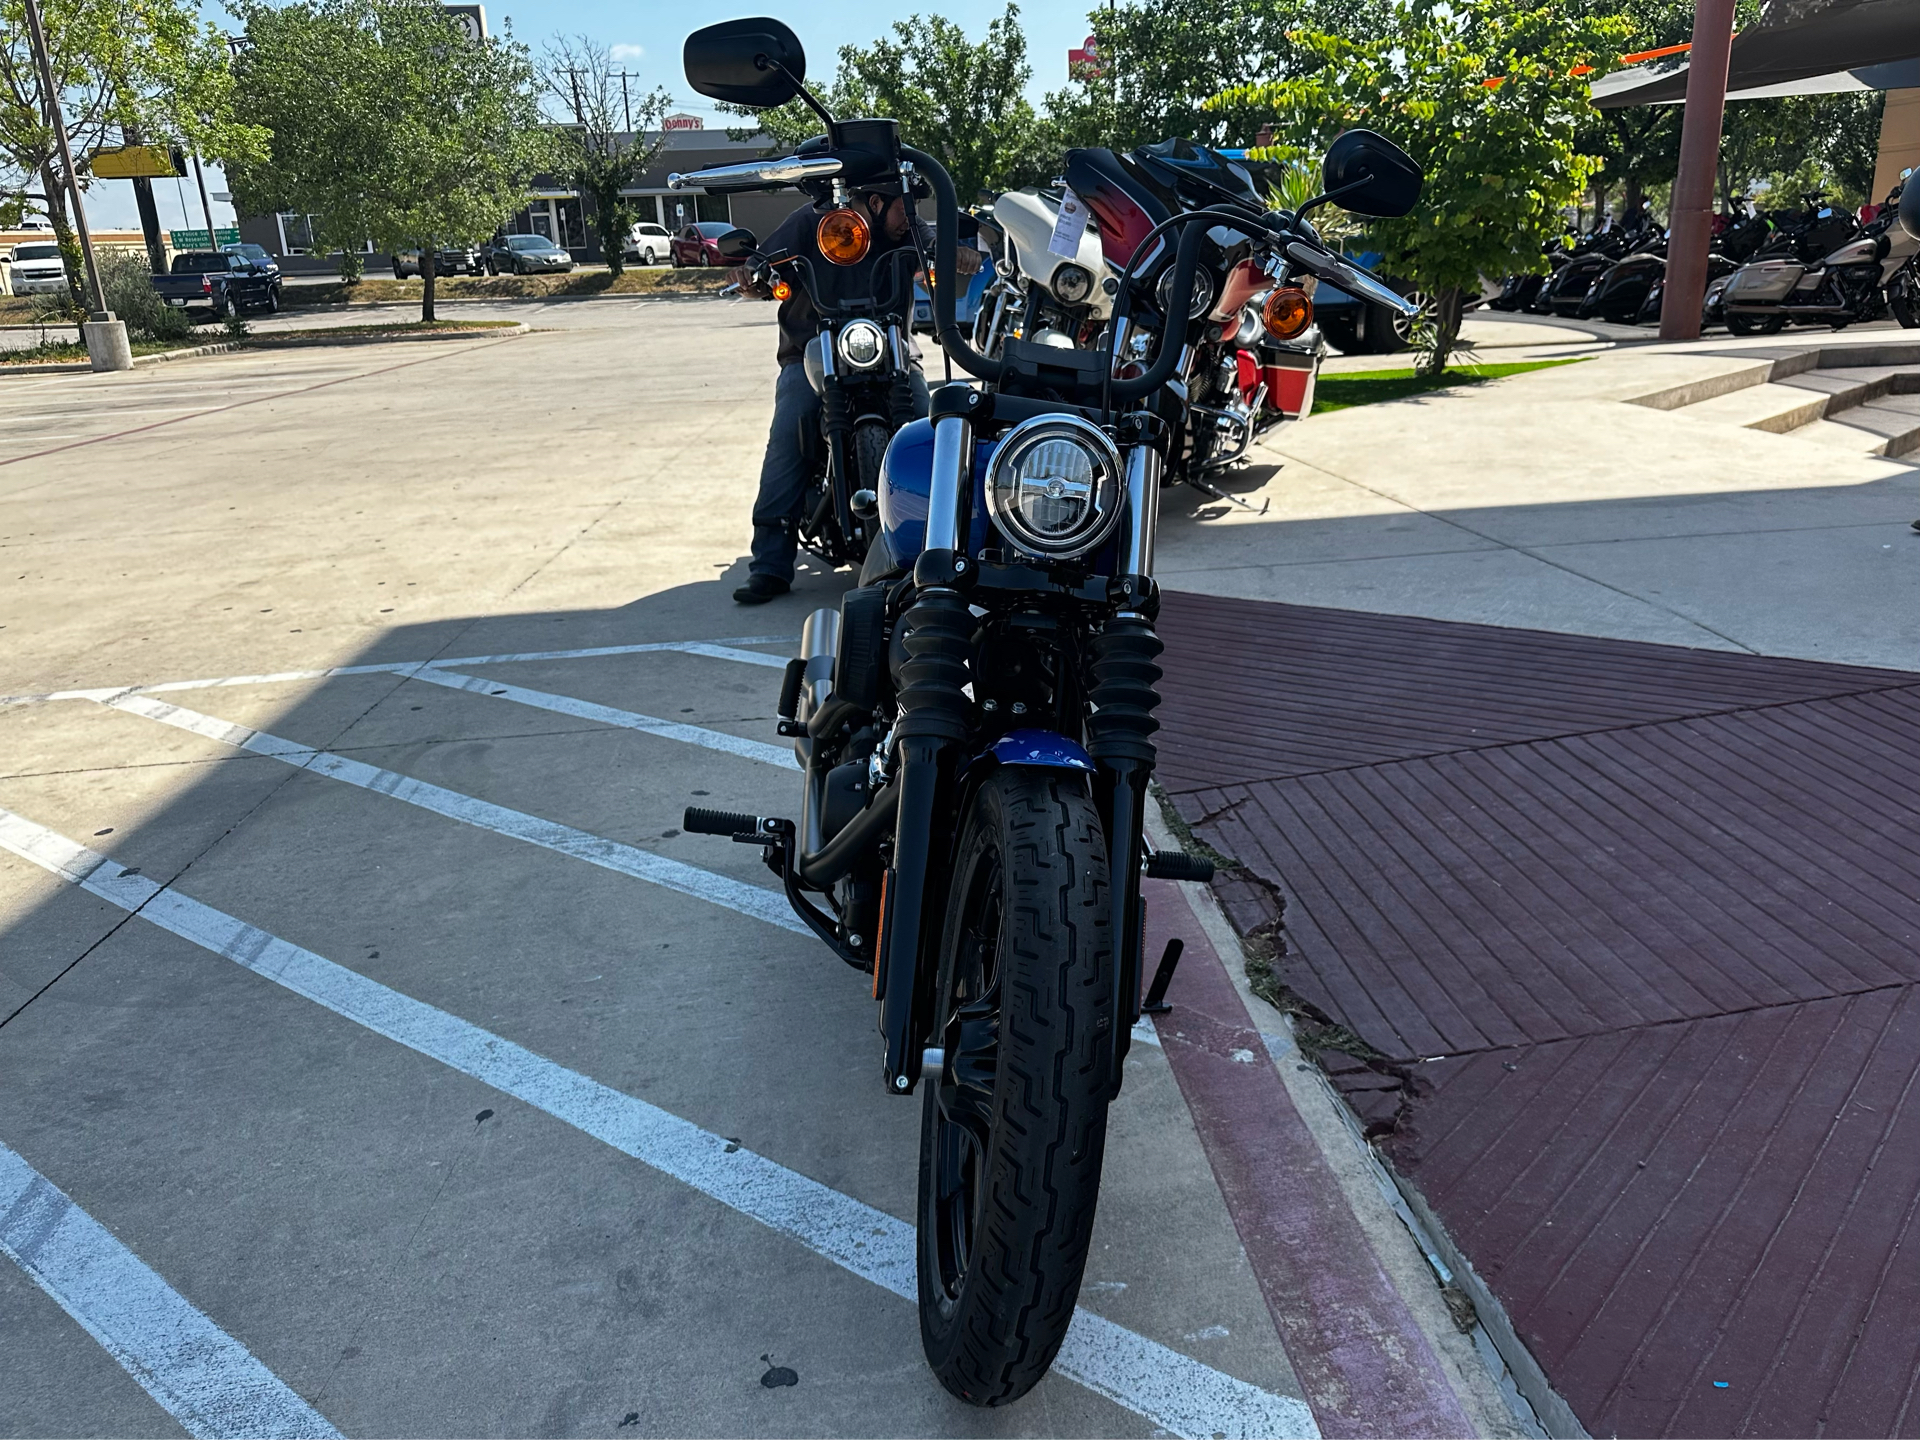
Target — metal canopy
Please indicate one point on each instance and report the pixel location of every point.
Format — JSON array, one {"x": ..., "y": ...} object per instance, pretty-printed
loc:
[{"x": 1800, "y": 47}]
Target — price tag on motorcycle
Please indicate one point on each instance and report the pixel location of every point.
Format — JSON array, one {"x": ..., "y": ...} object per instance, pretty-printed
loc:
[{"x": 1071, "y": 225}]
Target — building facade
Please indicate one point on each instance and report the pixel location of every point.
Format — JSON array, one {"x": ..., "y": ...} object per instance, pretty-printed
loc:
[{"x": 557, "y": 210}]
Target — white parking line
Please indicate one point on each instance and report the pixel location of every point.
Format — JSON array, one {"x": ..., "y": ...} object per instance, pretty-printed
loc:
[
  {"x": 1174, "y": 1391},
  {"x": 722, "y": 890},
  {"x": 198, "y": 1373},
  {"x": 715, "y": 649},
  {"x": 607, "y": 715}
]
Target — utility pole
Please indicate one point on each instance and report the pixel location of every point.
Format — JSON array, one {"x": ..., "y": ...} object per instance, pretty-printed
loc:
[
  {"x": 106, "y": 337},
  {"x": 1692, "y": 216},
  {"x": 206, "y": 208},
  {"x": 626, "y": 103}
]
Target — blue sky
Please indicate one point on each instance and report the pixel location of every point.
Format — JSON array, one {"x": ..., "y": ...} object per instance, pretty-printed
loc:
[{"x": 648, "y": 44}]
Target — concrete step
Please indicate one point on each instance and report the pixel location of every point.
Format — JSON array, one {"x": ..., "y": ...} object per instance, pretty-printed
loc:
[{"x": 1771, "y": 406}]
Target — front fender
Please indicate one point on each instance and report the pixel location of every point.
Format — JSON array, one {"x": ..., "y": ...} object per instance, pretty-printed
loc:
[{"x": 1044, "y": 749}]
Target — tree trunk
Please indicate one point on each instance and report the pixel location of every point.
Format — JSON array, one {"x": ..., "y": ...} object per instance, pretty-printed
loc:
[
  {"x": 428, "y": 271},
  {"x": 1633, "y": 200},
  {"x": 1448, "y": 307},
  {"x": 73, "y": 262}
]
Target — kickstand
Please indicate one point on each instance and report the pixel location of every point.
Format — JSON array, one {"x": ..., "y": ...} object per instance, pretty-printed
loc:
[
  {"x": 1200, "y": 483},
  {"x": 1156, "y": 1002}
]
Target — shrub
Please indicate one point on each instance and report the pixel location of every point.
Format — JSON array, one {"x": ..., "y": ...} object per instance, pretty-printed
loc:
[{"x": 131, "y": 296}]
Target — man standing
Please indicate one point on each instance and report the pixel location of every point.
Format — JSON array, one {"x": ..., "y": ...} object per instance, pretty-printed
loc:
[{"x": 784, "y": 474}]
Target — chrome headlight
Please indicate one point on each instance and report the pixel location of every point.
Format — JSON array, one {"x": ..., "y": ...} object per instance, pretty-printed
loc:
[
  {"x": 1072, "y": 283},
  {"x": 1054, "y": 486},
  {"x": 862, "y": 343},
  {"x": 1202, "y": 300}
]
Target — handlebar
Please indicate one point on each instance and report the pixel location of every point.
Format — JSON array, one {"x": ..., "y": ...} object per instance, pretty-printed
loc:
[{"x": 751, "y": 174}]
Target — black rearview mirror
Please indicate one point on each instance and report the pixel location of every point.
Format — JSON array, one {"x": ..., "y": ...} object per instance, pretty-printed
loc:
[
  {"x": 736, "y": 244},
  {"x": 1370, "y": 175},
  {"x": 1910, "y": 205},
  {"x": 756, "y": 62}
]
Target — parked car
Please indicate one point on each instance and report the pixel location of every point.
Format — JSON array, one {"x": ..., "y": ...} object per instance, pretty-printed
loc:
[
  {"x": 262, "y": 262},
  {"x": 526, "y": 255},
  {"x": 38, "y": 269},
  {"x": 698, "y": 243},
  {"x": 448, "y": 260},
  {"x": 1363, "y": 327},
  {"x": 648, "y": 244},
  {"x": 215, "y": 281}
]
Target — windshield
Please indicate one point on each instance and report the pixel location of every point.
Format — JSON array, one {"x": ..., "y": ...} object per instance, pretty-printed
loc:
[
  {"x": 530, "y": 242},
  {"x": 36, "y": 252},
  {"x": 199, "y": 262},
  {"x": 251, "y": 252}
]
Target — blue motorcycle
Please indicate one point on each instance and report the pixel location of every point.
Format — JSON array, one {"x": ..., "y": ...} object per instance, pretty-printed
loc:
[{"x": 976, "y": 719}]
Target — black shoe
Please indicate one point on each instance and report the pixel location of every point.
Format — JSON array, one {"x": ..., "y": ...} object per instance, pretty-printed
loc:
[{"x": 761, "y": 588}]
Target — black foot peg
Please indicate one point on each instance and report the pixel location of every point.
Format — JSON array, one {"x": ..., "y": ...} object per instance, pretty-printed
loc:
[
  {"x": 1156, "y": 1001},
  {"x": 1178, "y": 865},
  {"x": 701, "y": 821},
  {"x": 790, "y": 684}
]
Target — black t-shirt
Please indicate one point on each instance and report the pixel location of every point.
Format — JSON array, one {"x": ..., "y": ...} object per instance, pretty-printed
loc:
[{"x": 887, "y": 282}]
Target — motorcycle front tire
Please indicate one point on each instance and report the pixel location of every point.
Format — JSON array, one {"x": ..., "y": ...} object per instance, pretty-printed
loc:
[
  {"x": 1900, "y": 301},
  {"x": 1013, "y": 1131},
  {"x": 1740, "y": 324}
]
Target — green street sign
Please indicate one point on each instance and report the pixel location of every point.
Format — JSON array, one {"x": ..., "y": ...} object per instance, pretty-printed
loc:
[{"x": 197, "y": 239}]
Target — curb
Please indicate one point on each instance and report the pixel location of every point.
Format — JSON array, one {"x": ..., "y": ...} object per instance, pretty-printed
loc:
[
  {"x": 414, "y": 302},
  {"x": 299, "y": 339},
  {"x": 293, "y": 340},
  {"x": 155, "y": 359}
]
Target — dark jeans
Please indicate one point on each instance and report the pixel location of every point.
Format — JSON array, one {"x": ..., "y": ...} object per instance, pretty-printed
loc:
[{"x": 785, "y": 472}]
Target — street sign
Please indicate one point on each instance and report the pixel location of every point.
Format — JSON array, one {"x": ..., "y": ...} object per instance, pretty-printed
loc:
[
  {"x": 128, "y": 162},
  {"x": 472, "y": 19},
  {"x": 197, "y": 239}
]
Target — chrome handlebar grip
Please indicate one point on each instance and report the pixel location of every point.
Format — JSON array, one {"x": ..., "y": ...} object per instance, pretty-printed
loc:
[{"x": 786, "y": 170}]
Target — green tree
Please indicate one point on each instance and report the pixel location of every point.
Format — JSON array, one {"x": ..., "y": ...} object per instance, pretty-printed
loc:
[
  {"x": 1482, "y": 94},
  {"x": 604, "y": 131},
  {"x": 1159, "y": 61},
  {"x": 147, "y": 66},
  {"x": 388, "y": 124},
  {"x": 964, "y": 104}
]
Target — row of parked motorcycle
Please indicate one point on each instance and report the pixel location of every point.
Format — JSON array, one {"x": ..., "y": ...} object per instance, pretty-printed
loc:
[{"x": 1814, "y": 265}]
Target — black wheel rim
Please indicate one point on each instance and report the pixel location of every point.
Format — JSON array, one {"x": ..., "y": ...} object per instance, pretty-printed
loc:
[{"x": 963, "y": 1123}]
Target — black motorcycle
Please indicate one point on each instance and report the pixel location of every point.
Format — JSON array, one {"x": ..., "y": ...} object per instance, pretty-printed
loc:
[
  {"x": 976, "y": 726},
  {"x": 859, "y": 364},
  {"x": 1566, "y": 294}
]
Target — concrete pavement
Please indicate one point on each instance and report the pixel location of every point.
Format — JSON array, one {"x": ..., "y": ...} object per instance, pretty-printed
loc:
[{"x": 1546, "y": 501}]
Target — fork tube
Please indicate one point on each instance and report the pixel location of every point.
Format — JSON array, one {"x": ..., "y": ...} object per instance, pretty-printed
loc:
[
  {"x": 1143, "y": 510},
  {"x": 934, "y": 714}
]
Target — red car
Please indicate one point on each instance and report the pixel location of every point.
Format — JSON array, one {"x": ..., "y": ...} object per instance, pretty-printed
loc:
[{"x": 695, "y": 244}]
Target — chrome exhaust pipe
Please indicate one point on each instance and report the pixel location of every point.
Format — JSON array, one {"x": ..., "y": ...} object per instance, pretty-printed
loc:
[{"x": 820, "y": 648}]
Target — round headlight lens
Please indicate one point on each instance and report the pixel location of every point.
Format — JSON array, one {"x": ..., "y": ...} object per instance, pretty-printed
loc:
[
  {"x": 1202, "y": 300},
  {"x": 1054, "y": 486},
  {"x": 1072, "y": 283},
  {"x": 862, "y": 344}
]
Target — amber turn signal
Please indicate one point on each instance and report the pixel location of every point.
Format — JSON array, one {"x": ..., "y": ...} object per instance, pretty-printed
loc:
[
  {"x": 781, "y": 290},
  {"x": 1287, "y": 312},
  {"x": 843, "y": 236}
]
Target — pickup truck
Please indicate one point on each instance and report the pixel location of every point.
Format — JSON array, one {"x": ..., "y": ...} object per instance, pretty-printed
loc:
[{"x": 222, "y": 283}]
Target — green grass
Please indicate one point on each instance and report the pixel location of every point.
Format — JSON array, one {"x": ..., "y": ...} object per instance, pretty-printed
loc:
[{"x": 1345, "y": 390}]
